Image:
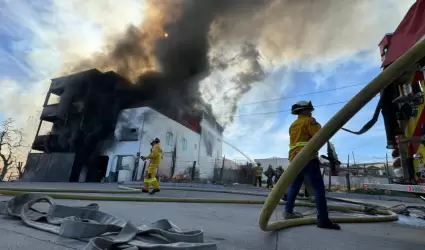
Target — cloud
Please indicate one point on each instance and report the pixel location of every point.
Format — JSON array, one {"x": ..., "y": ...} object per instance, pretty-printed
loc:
[
  {"x": 46, "y": 37},
  {"x": 343, "y": 52}
]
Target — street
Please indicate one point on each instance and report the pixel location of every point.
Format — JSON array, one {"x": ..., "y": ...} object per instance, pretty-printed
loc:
[{"x": 231, "y": 226}]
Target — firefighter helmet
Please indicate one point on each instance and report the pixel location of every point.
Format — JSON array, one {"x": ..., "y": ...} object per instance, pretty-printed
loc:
[
  {"x": 300, "y": 106},
  {"x": 155, "y": 140}
]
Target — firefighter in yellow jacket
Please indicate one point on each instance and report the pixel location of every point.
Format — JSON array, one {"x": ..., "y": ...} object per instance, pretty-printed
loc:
[
  {"x": 154, "y": 160},
  {"x": 300, "y": 132}
]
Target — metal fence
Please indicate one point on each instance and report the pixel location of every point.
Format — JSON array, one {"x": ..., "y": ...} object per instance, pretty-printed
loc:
[{"x": 226, "y": 171}]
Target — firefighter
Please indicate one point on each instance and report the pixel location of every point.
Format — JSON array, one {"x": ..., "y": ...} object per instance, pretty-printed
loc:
[
  {"x": 269, "y": 174},
  {"x": 154, "y": 160},
  {"x": 279, "y": 172},
  {"x": 258, "y": 174},
  {"x": 300, "y": 132}
]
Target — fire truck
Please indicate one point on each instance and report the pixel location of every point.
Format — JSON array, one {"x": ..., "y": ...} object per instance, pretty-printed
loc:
[{"x": 402, "y": 106}]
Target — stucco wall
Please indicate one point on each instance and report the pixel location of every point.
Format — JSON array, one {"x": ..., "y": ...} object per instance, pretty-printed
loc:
[
  {"x": 150, "y": 124},
  {"x": 211, "y": 148}
]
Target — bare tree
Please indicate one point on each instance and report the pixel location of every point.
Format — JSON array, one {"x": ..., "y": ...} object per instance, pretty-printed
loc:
[{"x": 11, "y": 140}]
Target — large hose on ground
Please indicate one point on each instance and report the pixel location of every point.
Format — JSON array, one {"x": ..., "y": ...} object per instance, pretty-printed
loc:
[{"x": 395, "y": 70}]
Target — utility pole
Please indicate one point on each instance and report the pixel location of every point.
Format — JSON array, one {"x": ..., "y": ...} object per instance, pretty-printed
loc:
[
  {"x": 347, "y": 175},
  {"x": 222, "y": 168},
  {"x": 387, "y": 169}
]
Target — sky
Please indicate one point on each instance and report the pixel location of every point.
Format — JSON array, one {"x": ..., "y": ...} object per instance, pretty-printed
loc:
[{"x": 38, "y": 37}]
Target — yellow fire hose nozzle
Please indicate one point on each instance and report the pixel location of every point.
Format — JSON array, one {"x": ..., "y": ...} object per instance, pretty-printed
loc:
[{"x": 395, "y": 70}]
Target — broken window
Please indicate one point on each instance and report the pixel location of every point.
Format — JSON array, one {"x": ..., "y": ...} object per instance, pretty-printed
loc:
[
  {"x": 125, "y": 162},
  {"x": 129, "y": 134}
]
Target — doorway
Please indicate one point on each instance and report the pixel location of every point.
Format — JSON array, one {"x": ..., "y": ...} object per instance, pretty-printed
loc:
[{"x": 98, "y": 170}]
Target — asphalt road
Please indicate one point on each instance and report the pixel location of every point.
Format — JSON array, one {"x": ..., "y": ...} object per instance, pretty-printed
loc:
[{"x": 232, "y": 226}]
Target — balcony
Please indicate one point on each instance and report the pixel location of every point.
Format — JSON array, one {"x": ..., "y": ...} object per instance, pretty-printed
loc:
[
  {"x": 52, "y": 113},
  {"x": 58, "y": 85},
  {"x": 48, "y": 144}
]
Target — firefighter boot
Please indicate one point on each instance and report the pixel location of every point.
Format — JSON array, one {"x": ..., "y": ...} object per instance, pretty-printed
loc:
[
  {"x": 155, "y": 190},
  {"x": 289, "y": 216},
  {"x": 145, "y": 187},
  {"x": 328, "y": 224},
  {"x": 155, "y": 185}
]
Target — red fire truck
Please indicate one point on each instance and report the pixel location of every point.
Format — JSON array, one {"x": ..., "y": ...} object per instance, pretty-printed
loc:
[{"x": 402, "y": 106}]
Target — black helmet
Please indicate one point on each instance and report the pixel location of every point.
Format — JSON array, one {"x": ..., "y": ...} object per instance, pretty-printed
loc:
[
  {"x": 155, "y": 140},
  {"x": 300, "y": 106}
]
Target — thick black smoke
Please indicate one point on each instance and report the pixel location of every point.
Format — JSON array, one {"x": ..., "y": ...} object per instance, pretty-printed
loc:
[
  {"x": 166, "y": 59},
  {"x": 170, "y": 67}
]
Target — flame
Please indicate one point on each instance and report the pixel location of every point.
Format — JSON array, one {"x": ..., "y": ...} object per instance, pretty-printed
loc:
[{"x": 165, "y": 34}]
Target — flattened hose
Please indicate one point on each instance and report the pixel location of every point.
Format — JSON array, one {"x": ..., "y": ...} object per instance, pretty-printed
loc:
[{"x": 396, "y": 69}]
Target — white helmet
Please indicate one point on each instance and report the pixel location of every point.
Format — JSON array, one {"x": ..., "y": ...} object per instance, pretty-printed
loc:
[{"x": 155, "y": 140}]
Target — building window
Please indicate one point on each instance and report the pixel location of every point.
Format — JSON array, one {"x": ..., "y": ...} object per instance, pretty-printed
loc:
[
  {"x": 125, "y": 162},
  {"x": 169, "y": 138},
  {"x": 184, "y": 144},
  {"x": 129, "y": 134}
]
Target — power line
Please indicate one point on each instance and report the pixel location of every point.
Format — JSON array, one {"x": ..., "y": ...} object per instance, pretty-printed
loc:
[
  {"x": 299, "y": 95},
  {"x": 287, "y": 110},
  {"x": 270, "y": 112},
  {"x": 284, "y": 110}
]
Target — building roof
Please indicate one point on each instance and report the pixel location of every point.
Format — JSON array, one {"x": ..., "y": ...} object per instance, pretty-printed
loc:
[
  {"x": 78, "y": 75},
  {"x": 408, "y": 33}
]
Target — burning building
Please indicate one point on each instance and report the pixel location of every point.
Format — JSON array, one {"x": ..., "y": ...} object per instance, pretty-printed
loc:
[
  {"x": 102, "y": 120},
  {"x": 186, "y": 142}
]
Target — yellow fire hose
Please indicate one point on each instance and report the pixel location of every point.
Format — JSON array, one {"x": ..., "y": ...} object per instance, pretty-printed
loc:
[{"x": 395, "y": 70}]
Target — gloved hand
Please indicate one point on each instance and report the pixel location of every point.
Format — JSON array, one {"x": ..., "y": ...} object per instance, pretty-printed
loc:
[{"x": 143, "y": 158}]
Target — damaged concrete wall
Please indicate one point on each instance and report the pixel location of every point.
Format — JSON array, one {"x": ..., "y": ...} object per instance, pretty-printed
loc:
[{"x": 43, "y": 167}]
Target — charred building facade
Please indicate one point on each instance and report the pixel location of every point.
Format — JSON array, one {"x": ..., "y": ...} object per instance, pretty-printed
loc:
[
  {"x": 85, "y": 112},
  {"x": 90, "y": 124}
]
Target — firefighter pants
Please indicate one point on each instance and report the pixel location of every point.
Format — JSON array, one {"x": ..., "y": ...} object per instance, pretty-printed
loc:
[
  {"x": 312, "y": 172},
  {"x": 151, "y": 179},
  {"x": 258, "y": 180},
  {"x": 269, "y": 183}
]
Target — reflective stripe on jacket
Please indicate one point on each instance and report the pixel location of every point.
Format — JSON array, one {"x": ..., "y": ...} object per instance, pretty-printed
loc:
[{"x": 300, "y": 132}]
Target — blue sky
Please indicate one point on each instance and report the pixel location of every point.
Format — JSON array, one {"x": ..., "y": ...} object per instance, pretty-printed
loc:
[
  {"x": 367, "y": 147},
  {"x": 37, "y": 40}
]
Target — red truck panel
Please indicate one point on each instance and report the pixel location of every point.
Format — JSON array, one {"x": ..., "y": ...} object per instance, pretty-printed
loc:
[{"x": 409, "y": 31}]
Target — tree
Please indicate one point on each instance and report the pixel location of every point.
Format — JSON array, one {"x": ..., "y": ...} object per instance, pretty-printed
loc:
[{"x": 11, "y": 140}]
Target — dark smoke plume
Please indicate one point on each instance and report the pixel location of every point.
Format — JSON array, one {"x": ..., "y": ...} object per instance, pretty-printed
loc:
[
  {"x": 169, "y": 54},
  {"x": 180, "y": 42},
  {"x": 166, "y": 58}
]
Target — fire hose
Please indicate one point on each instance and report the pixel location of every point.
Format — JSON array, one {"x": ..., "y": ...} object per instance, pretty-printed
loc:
[
  {"x": 90, "y": 224},
  {"x": 405, "y": 63}
]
